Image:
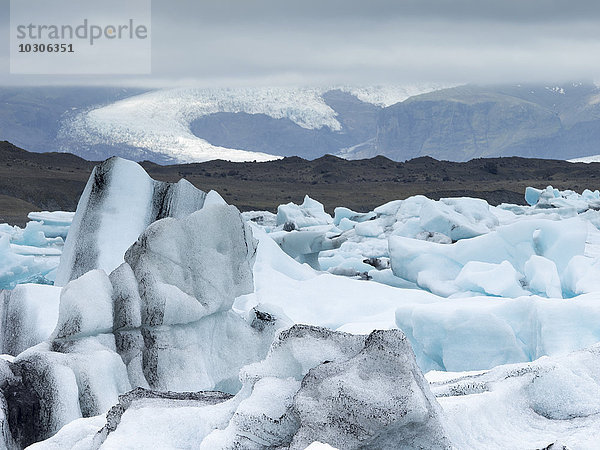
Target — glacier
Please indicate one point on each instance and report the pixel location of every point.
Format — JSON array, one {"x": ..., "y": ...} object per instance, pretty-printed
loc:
[
  {"x": 159, "y": 121},
  {"x": 174, "y": 320}
]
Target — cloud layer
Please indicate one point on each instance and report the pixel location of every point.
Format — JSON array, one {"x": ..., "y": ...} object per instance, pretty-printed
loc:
[{"x": 269, "y": 42}]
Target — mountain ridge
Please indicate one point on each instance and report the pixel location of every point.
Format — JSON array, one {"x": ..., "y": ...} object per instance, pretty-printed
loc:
[
  {"x": 471, "y": 121},
  {"x": 54, "y": 181}
]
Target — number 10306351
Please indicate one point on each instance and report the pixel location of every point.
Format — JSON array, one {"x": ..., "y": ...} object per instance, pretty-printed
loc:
[{"x": 46, "y": 48}]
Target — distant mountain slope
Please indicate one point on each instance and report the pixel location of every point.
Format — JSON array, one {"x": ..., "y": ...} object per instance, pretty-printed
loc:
[
  {"x": 473, "y": 121},
  {"x": 32, "y": 116},
  {"x": 38, "y": 181}
]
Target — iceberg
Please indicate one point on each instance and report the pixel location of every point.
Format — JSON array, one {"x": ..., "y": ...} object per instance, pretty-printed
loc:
[
  {"x": 336, "y": 388},
  {"x": 25, "y": 264},
  {"x": 458, "y": 334},
  {"x": 119, "y": 201},
  {"x": 450, "y": 269},
  {"x": 31, "y": 254},
  {"x": 140, "y": 325},
  {"x": 309, "y": 213},
  {"x": 482, "y": 332},
  {"x": 314, "y": 384},
  {"x": 54, "y": 223},
  {"x": 306, "y": 245},
  {"x": 363, "y": 236}
]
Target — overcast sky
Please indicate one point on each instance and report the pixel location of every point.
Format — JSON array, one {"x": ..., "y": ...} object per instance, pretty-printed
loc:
[{"x": 324, "y": 42}]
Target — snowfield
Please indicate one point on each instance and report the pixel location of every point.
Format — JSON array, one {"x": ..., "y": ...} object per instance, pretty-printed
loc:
[
  {"x": 389, "y": 95},
  {"x": 174, "y": 321},
  {"x": 586, "y": 159}
]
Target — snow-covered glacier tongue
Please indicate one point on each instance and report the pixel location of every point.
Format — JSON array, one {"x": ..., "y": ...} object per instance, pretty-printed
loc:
[{"x": 158, "y": 122}]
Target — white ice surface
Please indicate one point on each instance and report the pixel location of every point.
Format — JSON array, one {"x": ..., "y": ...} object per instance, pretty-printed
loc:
[
  {"x": 76, "y": 435},
  {"x": 166, "y": 427},
  {"x": 320, "y": 446},
  {"x": 29, "y": 313},
  {"x": 549, "y": 401}
]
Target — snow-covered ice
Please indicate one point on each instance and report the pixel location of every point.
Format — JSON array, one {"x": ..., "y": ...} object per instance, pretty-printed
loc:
[
  {"x": 314, "y": 384},
  {"x": 309, "y": 213},
  {"x": 549, "y": 403}
]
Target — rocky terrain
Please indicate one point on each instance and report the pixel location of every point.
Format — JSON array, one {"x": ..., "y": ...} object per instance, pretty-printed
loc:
[{"x": 54, "y": 181}]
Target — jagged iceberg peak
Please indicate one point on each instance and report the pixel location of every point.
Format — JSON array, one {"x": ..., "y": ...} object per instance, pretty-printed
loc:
[
  {"x": 119, "y": 201},
  {"x": 303, "y": 231}
]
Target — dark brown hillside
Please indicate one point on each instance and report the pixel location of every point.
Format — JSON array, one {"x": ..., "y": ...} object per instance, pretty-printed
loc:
[{"x": 35, "y": 181}]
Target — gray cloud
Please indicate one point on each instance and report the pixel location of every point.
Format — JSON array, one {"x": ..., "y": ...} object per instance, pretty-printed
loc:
[
  {"x": 462, "y": 10},
  {"x": 233, "y": 42}
]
